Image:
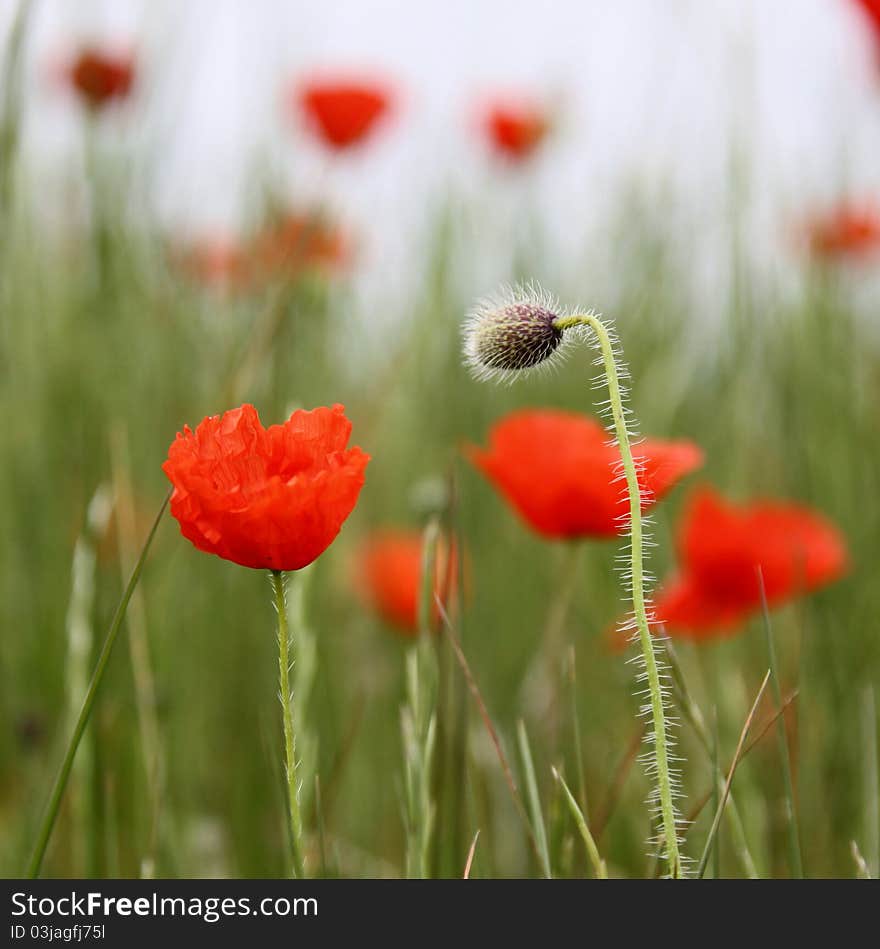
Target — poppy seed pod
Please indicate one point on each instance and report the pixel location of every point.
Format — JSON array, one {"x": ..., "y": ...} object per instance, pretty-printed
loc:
[{"x": 504, "y": 336}]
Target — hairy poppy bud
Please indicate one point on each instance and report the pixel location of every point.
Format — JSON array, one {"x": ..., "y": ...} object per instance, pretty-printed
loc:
[{"x": 503, "y": 336}]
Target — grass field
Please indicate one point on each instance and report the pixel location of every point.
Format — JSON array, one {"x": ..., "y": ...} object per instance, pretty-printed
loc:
[{"x": 109, "y": 347}]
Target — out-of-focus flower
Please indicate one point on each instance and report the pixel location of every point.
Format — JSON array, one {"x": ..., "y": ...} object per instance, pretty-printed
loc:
[
  {"x": 726, "y": 551},
  {"x": 342, "y": 112},
  {"x": 293, "y": 243},
  {"x": 849, "y": 231},
  {"x": 515, "y": 129},
  {"x": 559, "y": 471},
  {"x": 389, "y": 576},
  {"x": 268, "y": 498},
  {"x": 99, "y": 76},
  {"x": 286, "y": 247},
  {"x": 216, "y": 262},
  {"x": 871, "y": 9}
]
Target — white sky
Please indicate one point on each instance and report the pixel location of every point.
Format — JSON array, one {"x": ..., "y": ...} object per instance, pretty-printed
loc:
[{"x": 647, "y": 91}]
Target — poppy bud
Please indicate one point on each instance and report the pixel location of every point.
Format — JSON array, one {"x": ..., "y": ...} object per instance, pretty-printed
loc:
[{"x": 505, "y": 336}]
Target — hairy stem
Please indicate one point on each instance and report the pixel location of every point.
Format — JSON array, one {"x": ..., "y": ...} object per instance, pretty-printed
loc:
[
  {"x": 295, "y": 829},
  {"x": 648, "y": 645}
]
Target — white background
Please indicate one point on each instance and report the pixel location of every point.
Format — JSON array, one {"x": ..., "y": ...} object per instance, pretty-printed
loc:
[{"x": 658, "y": 93}]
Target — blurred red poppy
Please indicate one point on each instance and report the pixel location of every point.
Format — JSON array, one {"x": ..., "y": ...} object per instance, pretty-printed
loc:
[
  {"x": 515, "y": 129},
  {"x": 390, "y": 576},
  {"x": 726, "y": 550},
  {"x": 871, "y": 9},
  {"x": 99, "y": 77},
  {"x": 268, "y": 498},
  {"x": 216, "y": 262},
  {"x": 343, "y": 113},
  {"x": 848, "y": 231},
  {"x": 561, "y": 474},
  {"x": 296, "y": 242},
  {"x": 284, "y": 248}
]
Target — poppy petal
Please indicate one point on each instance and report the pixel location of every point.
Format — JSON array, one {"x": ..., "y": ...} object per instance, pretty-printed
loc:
[
  {"x": 560, "y": 472},
  {"x": 270, "y": 499}
]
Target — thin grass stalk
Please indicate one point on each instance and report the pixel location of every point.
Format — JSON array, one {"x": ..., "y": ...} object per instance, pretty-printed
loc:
[
  {"x": 693, "y": 815},
  {"x": 599, "y": 868},
  {"x": 716, "y": 794},
  {"x": 419, "y": 731},
  {"x": 618, "y": 780},
  {"x": 319, "y": 824},
  {"x": 50, "y": 814},
  {"x": 871, "y": 781},
  {"x": 794, "y": 843},
  {"x": 432, "y": 537},
  {"x": 470, "y": 857},
  {"x": 540, "y": 685},
  {"x": 694, "y": 716},
  {"x": 534, "y": 799},
  {"x": 576, "y": 734},
  {"x": 863, "y": 871},
  {"x": 139, "y": 650},
  {"x": 80, "y": 646},
  {"x": 719, "y": 811},
  {"x": 476, "y": 695}
]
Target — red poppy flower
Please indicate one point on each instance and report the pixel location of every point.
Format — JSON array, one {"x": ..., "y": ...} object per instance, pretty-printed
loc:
[
  {"x": 268, "y": 498},
  {"x": 341, "y": 112},
  {"x": 726, "y": 550},
  {"x": 390, "y": 576},
  {"x": 516, "y": 129},
  {"x": 848, "y": 231},
  {"x": 99, "y": 77},
  {"x": 558, "y": 470}
]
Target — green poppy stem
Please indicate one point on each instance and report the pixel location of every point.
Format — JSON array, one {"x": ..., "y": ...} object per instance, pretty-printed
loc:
[
  {"x": 295, "y": 825},
  {"x": 647, "y": 642}
]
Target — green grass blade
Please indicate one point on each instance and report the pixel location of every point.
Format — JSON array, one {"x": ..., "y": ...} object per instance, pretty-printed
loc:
[
  {"x": 533, "y": 798},
  {"x": 719, "y": 811},
  {"x": 599, "y": 868},
  {"x": 51, "y": 812},
  {"x": 794, "y": 843}
]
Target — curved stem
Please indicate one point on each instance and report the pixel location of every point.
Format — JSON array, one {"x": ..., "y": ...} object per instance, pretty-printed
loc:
[
  {"x": 295, "y": 828},
  {"x": 661, "y": 750},
  {"x": 51, "y": 812}
]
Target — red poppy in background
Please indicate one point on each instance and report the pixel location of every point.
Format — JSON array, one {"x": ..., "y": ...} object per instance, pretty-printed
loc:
[
  {"x": 343, "y": 113},
  {"x": 559, "y": 472},
  {"x": 849, "y": 231},
  {"x": 284, "y": 248},
  {"x": 296, "y": 242},
  {"x": 216, "y": 262},
  {"x": 99, "y": 77},
  {"x": 390, "y": 576},
  {"x": 871, "y": 9},
  {"x": 268, "y": 498},
  {"x": 726, "y": 550},
  {"x": 515, "y": 129}
]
